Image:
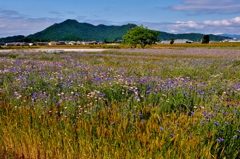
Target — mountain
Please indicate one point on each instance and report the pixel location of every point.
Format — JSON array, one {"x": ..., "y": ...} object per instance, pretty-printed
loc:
[
  {"x": 73, "y": 30},
  {"x": 12, "y": 38},
  {"x": 191, "y": 36},
  {"x": 231, "y": 35}
]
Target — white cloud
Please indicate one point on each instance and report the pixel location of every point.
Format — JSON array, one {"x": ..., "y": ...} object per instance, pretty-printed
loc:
[
  {"x": 23, "y": 26},
  {"x": 230, "y": 22},
  {"x": 231, "y": 26},
  {"x": 9, "y": 13},
  {"x": 209, "y": 6}
]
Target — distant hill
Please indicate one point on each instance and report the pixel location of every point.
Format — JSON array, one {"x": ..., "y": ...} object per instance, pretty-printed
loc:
[
  {"x": 191, "y": 36},
  {"x": 231, "y": 35},
  {"x": 73, "y": 30},
  {"x": 12, "y": 38}
]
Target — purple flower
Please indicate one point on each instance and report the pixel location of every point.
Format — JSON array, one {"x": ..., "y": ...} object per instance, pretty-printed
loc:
[
  {"x": 235, "y": 136},
  {"x": 204, "y": 113},
  {"x": 191, "y": 113},
  {"x": 171, "y": 135},
  {"x": 235, "y": 111},
  {"x": 161, "y": 128},
  {"x": 111, "y": 123},
  {"x": 216, "y": 123},
  {"x": 220, "y": 139},
  {"x": 34, "y": 96}
]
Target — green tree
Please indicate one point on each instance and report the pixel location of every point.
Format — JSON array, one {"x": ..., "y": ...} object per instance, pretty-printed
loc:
[
  {"x": 172, "y": 41},
  {"x": 140, "y": 35},
  {"x": 206, "y": 39}
]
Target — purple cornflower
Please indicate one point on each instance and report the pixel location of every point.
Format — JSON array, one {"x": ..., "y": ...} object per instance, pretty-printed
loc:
[
  {"x": 226, "y": 123},
  {"x": 191, "y": 113},
  {"x": 171, "y": 135},
  {"x": 34, "y": 96},
  {"x": 235, "y": 136},
  {"x": 204, "y": 113},
  {"x": 161, "y": 128},
  {"x": 235, "y": 111},
  {"x": 216, "y": 123},
  {"x": 220, "y": 139},
  {"x": 136, "y": 98},
  {"x": 111, "y": 123}
]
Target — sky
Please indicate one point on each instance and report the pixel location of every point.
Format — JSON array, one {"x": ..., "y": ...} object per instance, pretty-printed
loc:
[{"x": 24, "y": 17}]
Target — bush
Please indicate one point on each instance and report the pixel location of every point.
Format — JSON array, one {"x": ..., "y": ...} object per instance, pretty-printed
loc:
[{"x": 206, "y": 39}]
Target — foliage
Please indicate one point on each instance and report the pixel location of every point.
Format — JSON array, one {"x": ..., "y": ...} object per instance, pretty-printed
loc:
[
  {"x": 196, "y": 37},
  {"x": 206, "y": 39},
  {"x": 73, "y": 30},
  {"x": 172, "y": 41},
  {"x": 140, "y": 35},
  {"x": 16, "y": 38}
]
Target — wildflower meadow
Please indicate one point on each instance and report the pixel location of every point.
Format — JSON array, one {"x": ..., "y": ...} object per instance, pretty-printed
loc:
[{"x": 181, "y": 103}]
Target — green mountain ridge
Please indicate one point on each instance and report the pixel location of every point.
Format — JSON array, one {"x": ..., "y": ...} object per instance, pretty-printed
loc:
[{"x": 73, "y": 30}]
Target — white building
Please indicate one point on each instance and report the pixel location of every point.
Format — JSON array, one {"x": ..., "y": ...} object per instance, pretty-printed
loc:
[{"x": 182, "y": 41}]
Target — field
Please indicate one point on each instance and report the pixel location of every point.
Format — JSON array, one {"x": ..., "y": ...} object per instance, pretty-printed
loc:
[{"x": 170, "y": 102}]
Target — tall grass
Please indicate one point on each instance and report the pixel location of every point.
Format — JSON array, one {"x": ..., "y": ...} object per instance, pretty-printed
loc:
[{"x": 165, "y": 103}]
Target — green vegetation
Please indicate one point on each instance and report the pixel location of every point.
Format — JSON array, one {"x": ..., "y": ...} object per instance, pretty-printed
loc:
[
  {"x": 172, "y": 41},
  {"x": 73, "y": 30},
  {"x": 140, "y": 35},
  {"x": 206, "y": 39},
  {"x": 124, "y": 103},
  {"x": 16, "y": 38},
  {"x": 197, "y": 37}
]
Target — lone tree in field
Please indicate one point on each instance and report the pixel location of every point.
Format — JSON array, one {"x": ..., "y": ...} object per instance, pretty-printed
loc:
[
  {"x": 140, "y": 35},
  {"x": 172, "y": 41},
  {"x": 206, "y": 39}
]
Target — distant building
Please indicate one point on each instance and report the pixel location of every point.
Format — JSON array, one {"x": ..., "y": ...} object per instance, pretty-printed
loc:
[
  {"x": 61, "y": 43},
  {"x": 177, "y": 41},
  {"x": 93, "y": 42},
  {"x": 52, "y": 43},
  {"x": 182, "y": 41},
  {"x": 72, "y": 43},
  {"x": 41, "y": 43},
  {"x": 11, "y": 44},
  {"x": 165, "y": 42},
  {"x": 232, "y": 40}
]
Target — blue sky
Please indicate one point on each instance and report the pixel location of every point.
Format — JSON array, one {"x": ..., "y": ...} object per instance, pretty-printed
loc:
[{"x": 24, "y": 17}]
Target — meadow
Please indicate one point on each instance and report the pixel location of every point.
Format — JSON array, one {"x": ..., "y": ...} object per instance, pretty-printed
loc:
[{"x": 179, "y": 102}]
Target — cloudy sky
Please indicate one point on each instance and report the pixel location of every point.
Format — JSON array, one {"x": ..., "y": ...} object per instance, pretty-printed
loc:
[{"x": 24, "y": 17}]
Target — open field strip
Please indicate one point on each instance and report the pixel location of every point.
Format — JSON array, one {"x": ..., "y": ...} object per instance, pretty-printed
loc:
[
  {"x": 56, "y": 50},
  {"x": 124, "y": 103}
]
